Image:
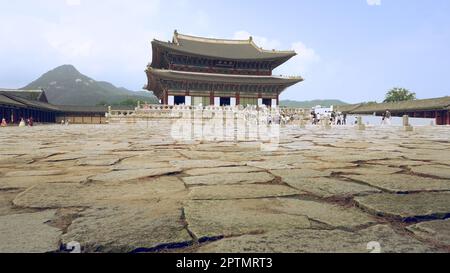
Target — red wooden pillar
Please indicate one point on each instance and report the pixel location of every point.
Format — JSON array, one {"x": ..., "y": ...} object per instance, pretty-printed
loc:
[
  {"x": 166, "y": 97},
  {"x": 211, "y": 98}
]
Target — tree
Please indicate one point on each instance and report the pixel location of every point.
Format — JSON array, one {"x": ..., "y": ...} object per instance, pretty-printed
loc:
[{"x": 399, "y": 94}]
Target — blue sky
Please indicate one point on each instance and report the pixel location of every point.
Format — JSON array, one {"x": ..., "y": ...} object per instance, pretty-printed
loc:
[{"x": 354, "y": 50}]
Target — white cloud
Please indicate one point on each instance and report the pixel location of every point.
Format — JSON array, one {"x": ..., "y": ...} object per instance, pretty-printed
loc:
[
  {"x": 300, "y": 64},
  {"x": 73, "y": 2},
  {"x": 260, "y": 41},
  {"x": 374, "y": 2}
]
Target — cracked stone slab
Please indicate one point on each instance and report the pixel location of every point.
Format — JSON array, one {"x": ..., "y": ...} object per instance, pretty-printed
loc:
[
  {"x": 295, "y": 174},
  {"x": 193, "y": 164},
  {"x": 199, "y": 155},
  {"x": 28, "y": 233},
  {"x": 350, "y": 156},
  {"x": 230, "y": 178},
  {"x": 225, "y": 192},
  {"x": 63, "y": 195},
  {"x": 398, "y": 162},
  {"x": 27, "y": 182},
  {"x": 370, "y": 170},
  {"x": 98, "y": 161},
  {"x": 327, "y": 187},
  {"x": 14, "y": 161},
  {"x": 434, "y": 170},
  {"x": 137, "y": 165},
  {"x": 208, "y": 218},
  {"x": 322, "y": 165},
  {"x": 329, "y": 214},
  {"x": 222, "y": 170},
  {"x": 64, "y": 157},
  {"x": 6, "y": 204},
  {"x": 437, "y": 156},
  {"x": 127, "y": 227},
  {"x": 269, "y": 165},
  {"x": 33, "y": 173},
  {"x": 435, "y": 231},
  {"x": 126, "y": 175},
  {"x": 407, "y": 207},
  {"x": 403, "y": 183},
  {"x": 319, "y": 241}
]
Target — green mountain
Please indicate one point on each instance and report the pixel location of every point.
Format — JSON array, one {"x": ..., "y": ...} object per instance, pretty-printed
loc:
[
  {"x": 65, "y": 85},
  {"x": 310, "y": 104}
]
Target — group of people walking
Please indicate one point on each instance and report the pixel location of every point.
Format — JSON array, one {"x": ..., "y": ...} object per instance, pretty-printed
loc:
[
  {"x": 28, "y": 122},
  {"x": 23, "y": 122},
  {"x": 334, "y": 118}
]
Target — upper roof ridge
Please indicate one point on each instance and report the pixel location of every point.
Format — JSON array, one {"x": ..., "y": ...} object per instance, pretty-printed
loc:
[{"x": 209, "y": 40}]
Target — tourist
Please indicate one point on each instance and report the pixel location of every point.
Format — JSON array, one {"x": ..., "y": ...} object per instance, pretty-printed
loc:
[
  {"x": 313, "y": 117},
  {"x": 344, "y": 119},
  {"x": 22, "y": 123},
  {"x": 388, "y": 117},
  {"x": 269, "y": 120},
  {"x": 333, "y": 118},
  {"x": 383, "y": 119},
  {"x": 30, "y": 122},
  {"x": 4, "y": 124},
  {"x": 62, "y": 122}
]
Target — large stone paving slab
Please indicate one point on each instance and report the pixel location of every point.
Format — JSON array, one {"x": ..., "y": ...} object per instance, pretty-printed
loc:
[
  {"x": 104, "y": 160},
  {"x": 403, "y": 183},
  {"x": 370, "y": 170},
  {"x": 295, "y": 174},
  {"x": 192, "y": 164},
  {"x": 224, "y": 192},
  {"x": 407, "y": 206},
  {"x": 230, "y": 178},
  {"x": 128, "y": 227},
  {"x": 222, "y": 170},
  {"x": 433, "y": 170},
  {"x": 24, "y": 182},
  {"x": 236, "y": 217},
  {"x": 327, "y": 187},
  {"x": 126, "y": 175},
  {"x": 31, "y": 173},
  {"x": 60, "y": 195},
  {"x": 329, "y": 214},
  {"x": 436, "y": 231},
  {"x": 28, "y": 233},
  {"x": 319, "y": 241}
]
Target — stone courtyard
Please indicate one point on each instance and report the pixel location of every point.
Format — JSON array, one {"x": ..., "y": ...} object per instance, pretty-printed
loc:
[{"x": 129, "y": 188}]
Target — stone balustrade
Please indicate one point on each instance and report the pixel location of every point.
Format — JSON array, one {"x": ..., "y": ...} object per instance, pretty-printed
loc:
[{"x": 146, "y": 112}]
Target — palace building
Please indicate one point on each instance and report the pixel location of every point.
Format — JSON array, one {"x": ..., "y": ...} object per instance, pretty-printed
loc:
[{"x": 203, "y": 71}]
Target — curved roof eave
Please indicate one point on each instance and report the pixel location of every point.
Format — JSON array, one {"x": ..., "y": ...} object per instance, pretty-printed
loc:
[{"x": 212, "y": 77}]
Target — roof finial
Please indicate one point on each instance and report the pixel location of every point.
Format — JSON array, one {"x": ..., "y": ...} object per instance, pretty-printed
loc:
[
  {"x": 250, "y": 39},
  {"x": 175, "y": 32}
]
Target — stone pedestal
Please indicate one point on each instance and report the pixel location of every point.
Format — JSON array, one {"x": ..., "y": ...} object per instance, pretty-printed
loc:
[
  {"x": 326, "y": 124},
  {"x": 302, "y": 123},
  {"x": 406, "y": 126},
  {"x": 361, "y": 125}
]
